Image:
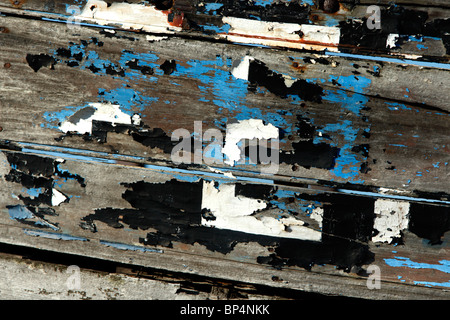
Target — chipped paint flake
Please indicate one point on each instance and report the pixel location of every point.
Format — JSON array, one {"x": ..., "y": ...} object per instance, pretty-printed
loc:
[
  {"x": 245, "y": 129},
  {"x": 391, "y": 41},
  {"x": 57, "y": 197},
  {"x": 237, "y": 213},
  {"x": 81, "y": 121},
  {"x": 242, "y": 69},
  {"x": 391, "y": 217}
]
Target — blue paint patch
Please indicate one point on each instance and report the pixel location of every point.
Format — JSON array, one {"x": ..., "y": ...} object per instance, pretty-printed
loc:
[
  {"x": 443, "y": 266},
  {"x": 348, "y": 163},
  {"x": 34, "y": 192},
  {"x": 211, "y": 6},
  {"x": 397, "y": 106},
  {"x": 130, "y": 100},
  {"x": 398, "y": 145},
  {"x": 19, "y": 212}
]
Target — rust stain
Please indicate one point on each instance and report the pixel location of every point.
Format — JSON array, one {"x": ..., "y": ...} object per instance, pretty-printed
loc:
[
  {"x": 174, "y": 18},
  {"x": 17, "y": 3},
  {"x": 4, "y": 30},
  {"x": 7, "y": 65},
  {"x": 298, "y": 67}
]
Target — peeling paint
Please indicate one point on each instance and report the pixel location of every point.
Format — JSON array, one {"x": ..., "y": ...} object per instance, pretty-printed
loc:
[
  {"x": 129, "y": 247},
  {"x": 131, "y": 16},
  {"x": 245, "y": 129},
  {"x": 391, "y": 218},
  {"x": 53, "y": 235},
  {"x": 237, "y": 213},
  {"x": 290, "y": 35},
  {"x": 81, "y": 121}
]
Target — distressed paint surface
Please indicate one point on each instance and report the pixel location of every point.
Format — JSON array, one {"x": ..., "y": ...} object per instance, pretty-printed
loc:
[{"x": 93, "y": 165}]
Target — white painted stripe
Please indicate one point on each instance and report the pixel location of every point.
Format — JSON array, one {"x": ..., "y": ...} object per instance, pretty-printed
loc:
[{"x": 290, "y": 35}]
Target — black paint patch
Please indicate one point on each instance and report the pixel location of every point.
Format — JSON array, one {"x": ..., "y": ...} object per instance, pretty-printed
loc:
[
  {"x": 33, "y": 171},
  {"x": 355, "y": 34},
  {"x": 155, "y": 137},
  {"x": 287, "y": 12},
  {"x": 37, "y": 61},
  {"x": 429, "y": 221},
  {"x": 168, "y": 66},
  {"x": 173, "y": 209},
  {"x": 305, "y": 152},
  {"x": 258, "y": 191},
  {"x": 134, "y": 65},
  {"x": 260, "y": 75}
]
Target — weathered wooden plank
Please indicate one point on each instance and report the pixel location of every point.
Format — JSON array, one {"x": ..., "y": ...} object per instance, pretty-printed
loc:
[
  {"x": 174, "y": 221},
  {"x": 417, "y": 33},
  {"x": 370, "y": 132},
  {"x": 24, "y": 279}
]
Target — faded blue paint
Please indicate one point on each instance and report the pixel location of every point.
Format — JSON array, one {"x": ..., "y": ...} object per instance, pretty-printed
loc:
[
  {"x": 52, "y": 235},
  {"x": 34, "y": 192},
  {"x": 123, "y": 246},
  {"x": 398, "y": 145},
  {"x": 130, "y": 100},
  {"x": 20, "y": 212},
  {"x": 397, "y": 106}
]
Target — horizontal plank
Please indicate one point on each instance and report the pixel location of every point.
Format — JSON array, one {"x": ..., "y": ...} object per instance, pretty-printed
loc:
[
  {"x": 417, "y": 33},
  {"x": 178, "y": 222},
  {"x": 373, "y": 134}
]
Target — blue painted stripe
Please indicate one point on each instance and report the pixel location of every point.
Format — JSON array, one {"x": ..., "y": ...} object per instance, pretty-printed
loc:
[
  {"x": 390, "y": 60},
  {"x": 52, "y": 235},
  {"x": 123, "y": 246}
]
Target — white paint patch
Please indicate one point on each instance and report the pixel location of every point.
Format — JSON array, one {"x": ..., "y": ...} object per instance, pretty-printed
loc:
[
  {"x": 57, "y": 197},
  {"x": 236, "y": 213},
  {"x": 391, "y": 41},
  {"x": 391, "y": 217},
  {"x": 103, "y": 112},
  {"x": 129, "y": 15},
  {"x": 152, "y": 38},
  {"x": 288, "y": 35},
  {"x": 241, "y": 71},
  {"x": 245, "y": 129},
  {"x": 226, "y": 174},
  {"x": 317, "y": 214}
]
